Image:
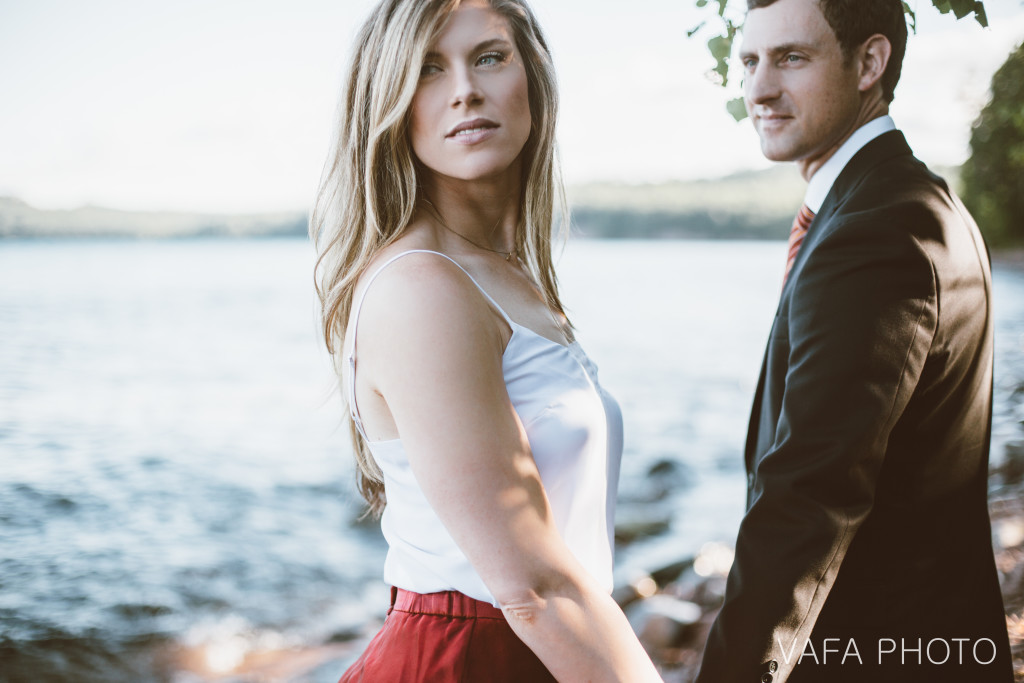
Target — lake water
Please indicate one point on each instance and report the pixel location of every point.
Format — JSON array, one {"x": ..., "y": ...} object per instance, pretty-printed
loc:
[{"x": 175, "y": 475}]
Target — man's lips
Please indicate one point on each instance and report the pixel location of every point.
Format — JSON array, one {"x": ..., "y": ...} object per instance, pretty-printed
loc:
[
  {"x": 772, "y": 119},
  {"x": 471, "y": 128}
]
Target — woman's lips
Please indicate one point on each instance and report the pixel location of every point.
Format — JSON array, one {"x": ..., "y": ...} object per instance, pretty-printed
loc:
[{"x": 473, "y": 131}]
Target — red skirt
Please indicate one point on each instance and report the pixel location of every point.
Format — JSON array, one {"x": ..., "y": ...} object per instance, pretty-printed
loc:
[{"x": 445, "y": 638}]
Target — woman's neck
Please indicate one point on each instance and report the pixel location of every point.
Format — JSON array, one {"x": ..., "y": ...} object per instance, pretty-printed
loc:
[{"x": 484, "y": 213}]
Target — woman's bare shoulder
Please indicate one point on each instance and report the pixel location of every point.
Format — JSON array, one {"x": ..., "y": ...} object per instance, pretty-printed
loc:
[{"x": 421, "y": 295}]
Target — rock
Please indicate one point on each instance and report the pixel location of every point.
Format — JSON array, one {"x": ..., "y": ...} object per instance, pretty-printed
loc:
[
  {"x": 671, "y": 572},
  {"x": 711, "y": 591},
  {"x": 706, "y": 591},
  {"x": 640, "y": 586},
  {"x": 665, "y": 477},
  {"x": 669, "y": 470},
  {"x": 639, "y": 521},
  {"x": 1013, "y": 464},
  {"x": 644, "y": 585},
  {"x": 662, "y": 621},
  {"x": 1011, "y": 580},
  {"x": 625, "y": 595}
]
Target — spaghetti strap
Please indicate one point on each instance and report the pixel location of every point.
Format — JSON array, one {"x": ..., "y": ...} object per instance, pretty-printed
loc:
[{"x": 350, "y": 358}]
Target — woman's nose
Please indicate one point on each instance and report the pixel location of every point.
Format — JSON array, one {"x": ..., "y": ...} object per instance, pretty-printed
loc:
[{"x": 465, "y": 88}]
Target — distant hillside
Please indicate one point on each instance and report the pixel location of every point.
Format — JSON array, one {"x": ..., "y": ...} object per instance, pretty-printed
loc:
[
  {"x": 18, "y": 219},
  {"x": 748, "y": 205}
]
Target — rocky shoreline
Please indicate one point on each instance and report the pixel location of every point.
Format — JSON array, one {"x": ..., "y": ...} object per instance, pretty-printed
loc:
[
  {"x": 673, "y": 609},
  {"x": 672, "y": 606}
]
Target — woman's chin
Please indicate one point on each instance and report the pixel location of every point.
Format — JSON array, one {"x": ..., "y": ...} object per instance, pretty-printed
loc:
[{"x": 482, "y": 173}]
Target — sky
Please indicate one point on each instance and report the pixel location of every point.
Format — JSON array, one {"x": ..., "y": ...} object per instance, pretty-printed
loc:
[{"x": 227, "y": 106}]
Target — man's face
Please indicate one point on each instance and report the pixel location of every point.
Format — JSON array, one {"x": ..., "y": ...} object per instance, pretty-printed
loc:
[{"x": 802, "y": 97}]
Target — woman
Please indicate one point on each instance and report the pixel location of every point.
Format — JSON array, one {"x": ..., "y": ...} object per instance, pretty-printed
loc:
[{"x": 472, "y": 406}]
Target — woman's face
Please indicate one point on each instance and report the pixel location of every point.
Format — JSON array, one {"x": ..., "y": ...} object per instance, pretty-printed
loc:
[{"x": 471, "y": 112}]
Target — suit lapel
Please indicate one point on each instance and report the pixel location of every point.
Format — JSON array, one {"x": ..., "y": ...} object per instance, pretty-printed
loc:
[
  {"x": 755, "y": 414},
  {"x": 876, "y": 151},
  {"x": 880, "y": 149}
]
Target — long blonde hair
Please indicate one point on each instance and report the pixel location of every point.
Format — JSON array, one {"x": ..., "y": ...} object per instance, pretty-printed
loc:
[{"x": 369, "y": 190}]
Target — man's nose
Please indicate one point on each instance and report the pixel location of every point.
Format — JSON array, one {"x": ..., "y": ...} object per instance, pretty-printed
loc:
[{"x": 761, "y": 84}]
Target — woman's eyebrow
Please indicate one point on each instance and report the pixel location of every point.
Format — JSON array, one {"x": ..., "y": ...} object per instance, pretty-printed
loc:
[{"x": 479, "y": 47}]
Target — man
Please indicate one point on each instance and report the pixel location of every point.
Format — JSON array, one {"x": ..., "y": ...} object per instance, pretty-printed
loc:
[{"x": 865, "y": 553}]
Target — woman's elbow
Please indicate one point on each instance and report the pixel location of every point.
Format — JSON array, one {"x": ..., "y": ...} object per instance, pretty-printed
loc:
[
  {"x": 524, "y": 609},
  {"x": 524, "y": 603}
]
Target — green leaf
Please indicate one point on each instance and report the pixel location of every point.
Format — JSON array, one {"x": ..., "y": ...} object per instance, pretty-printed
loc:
[
  {"x": 979, "y": 14},
  {"x": 692, "y": 31},
  {"x": 720, "y": 47},
  {"x": 702, "y": 3},
  {"x": 961, "y": 8},
  {"x": 737, "y": 108},
  {"x": 913, "y": 17}
]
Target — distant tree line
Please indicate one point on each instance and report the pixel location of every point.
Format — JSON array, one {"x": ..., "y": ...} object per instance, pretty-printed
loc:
[
  {"x": 993, "y": 178},
  {"x": 697, "y": 224}
]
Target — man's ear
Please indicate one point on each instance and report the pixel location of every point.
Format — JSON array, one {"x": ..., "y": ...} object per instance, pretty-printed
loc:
[{"x": 873, "y": 57}]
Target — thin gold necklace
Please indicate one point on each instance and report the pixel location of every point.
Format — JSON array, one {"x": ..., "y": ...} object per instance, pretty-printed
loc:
[{"x": 509, "y": 255}]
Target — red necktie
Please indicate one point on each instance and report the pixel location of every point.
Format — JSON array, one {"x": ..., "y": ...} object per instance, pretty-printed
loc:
[{"x": 796, "y": 237}]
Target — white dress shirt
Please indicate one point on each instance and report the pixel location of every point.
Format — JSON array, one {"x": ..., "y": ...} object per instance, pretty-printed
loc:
[{"x": 821, "y": 182}]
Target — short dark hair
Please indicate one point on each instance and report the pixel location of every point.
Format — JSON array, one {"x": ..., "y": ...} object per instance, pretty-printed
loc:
[{"x": 854, "y": 21}]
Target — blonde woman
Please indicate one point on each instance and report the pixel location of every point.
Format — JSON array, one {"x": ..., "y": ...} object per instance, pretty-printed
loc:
[{"x": 473, "y": 408}]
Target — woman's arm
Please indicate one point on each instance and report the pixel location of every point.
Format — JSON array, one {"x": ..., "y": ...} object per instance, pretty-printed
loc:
[{"x": 431, "y": 346}]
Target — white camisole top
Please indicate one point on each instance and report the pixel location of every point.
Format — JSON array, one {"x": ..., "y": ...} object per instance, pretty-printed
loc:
[{"x": 574, "y": 429}]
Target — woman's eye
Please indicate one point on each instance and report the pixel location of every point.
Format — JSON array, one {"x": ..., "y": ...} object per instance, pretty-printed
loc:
[
  {"x": 429, "y": 69},
  {"x": 490, "y": 59}
]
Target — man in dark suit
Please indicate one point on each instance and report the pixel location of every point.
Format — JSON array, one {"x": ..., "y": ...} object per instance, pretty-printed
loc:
[{"x": 865, "y": 553}]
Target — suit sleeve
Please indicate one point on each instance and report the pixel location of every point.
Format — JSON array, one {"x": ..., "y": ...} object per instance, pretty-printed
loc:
[{"x": 861, "y": 319}]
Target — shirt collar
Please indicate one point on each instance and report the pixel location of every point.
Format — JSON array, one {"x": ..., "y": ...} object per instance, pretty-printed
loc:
[{"x": 821, "y": 182}]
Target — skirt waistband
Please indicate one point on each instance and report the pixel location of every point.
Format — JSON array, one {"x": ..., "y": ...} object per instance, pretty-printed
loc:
[{"x": 444, "y": 604}]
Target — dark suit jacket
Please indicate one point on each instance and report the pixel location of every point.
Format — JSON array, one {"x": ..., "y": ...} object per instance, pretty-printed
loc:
[{"x": 867, "y": 454}]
